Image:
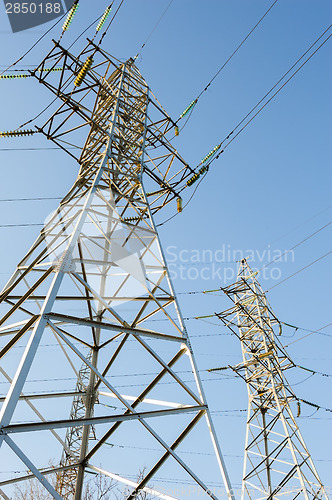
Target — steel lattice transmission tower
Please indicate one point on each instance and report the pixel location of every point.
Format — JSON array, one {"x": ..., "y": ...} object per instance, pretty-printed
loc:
[
  {"x": 277, "y": 463},
  {"x": 96, "y": 284}
]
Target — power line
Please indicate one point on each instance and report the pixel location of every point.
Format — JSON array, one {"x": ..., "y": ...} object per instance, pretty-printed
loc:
[
  {"x": 276, "y": 258},
  {"x": 314, "y": 372},
  {"x": 228, "y": 377},
  {"x": 305, "y": 401},
  {"x": 185, "y": 205},
  {"x": 109, "y": 24},
  {"x": 39, "y": 114},
  {"x": 70, "y": 80},
  {"x": 36, "y": 43},
  {"x": 282, "y": 322},
  {"x": 35, "y": 149},
  {"x": 46, "y": 198},
  {"x": 230, "y": 57},
  {"x": 299, "y": 271},
  {"x": 276, "y": 93},
  {"x": 295, "y": 246},
  {"x": 86, "y": 29},
  {"x": 31, "y": 199},
  {"x": 81, "y": 34},
  {"x": 8, "y": 68},
  {"x": 154, "y": 28},
  {"x": 191, "y": 452},
  {"x": 217, "y": 379},
  {"x": 20, "y": 225},
  {"x": 4, "y": 66},
  {"x": 250, "y": 112},
  {"x": 223, "y": 377},
  {"x": 217, "y": 148},
  {"x": 191, "y": 336},
  {"x": 302, "y": 224},
  {"x": 308, "y": 335},
  {"x": 294, "y": 365},
  {"x": 194, "y": 292},
  {"x": 190, "y": 292}
]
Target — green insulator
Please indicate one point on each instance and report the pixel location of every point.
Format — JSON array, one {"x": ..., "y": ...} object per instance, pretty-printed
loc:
[
  {"x": 191, "y": 105},
  {"x": 211, "y": 153},
  {"x": 103, "y": 18},
  {"x": 51, "y": 69},
  {"x": 70, "y": 17},
  {"x": 203, "y": 169}
]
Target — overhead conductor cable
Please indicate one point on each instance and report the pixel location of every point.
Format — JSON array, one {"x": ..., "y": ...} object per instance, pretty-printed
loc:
[
  {"x": 214, "y": 154},
  {"x": 194, "y": 102}
]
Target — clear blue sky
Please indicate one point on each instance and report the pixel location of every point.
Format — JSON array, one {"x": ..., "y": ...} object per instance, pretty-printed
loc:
[{"x": 268, "y": 191}]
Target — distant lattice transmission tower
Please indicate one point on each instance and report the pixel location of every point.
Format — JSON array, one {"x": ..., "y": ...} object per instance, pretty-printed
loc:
[
  {"x": 92, "y": 302},
  {"x": 277, "y": 463}
]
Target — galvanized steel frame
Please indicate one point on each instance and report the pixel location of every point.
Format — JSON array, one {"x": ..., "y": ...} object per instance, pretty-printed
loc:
[
  {"x": 277, "y": 462},
  {"x": 113, "y": 163}
]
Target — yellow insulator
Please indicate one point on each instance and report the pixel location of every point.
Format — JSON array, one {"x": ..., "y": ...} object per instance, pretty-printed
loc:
[
  {"x": 70, "y": 16},
  {"x": 131, "y": 219},
  {"x": 83, "y": 71},
  {"x": 17, "y": 133},
  {"x": 21, "y": 75},
  {"x": 298, "y": 408},
  {"x": 179, "y": 204},
  {"x": 51, "y": 69},
  {"x": 176, "y": 129},
  {"x": 193, "y": 179}
]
